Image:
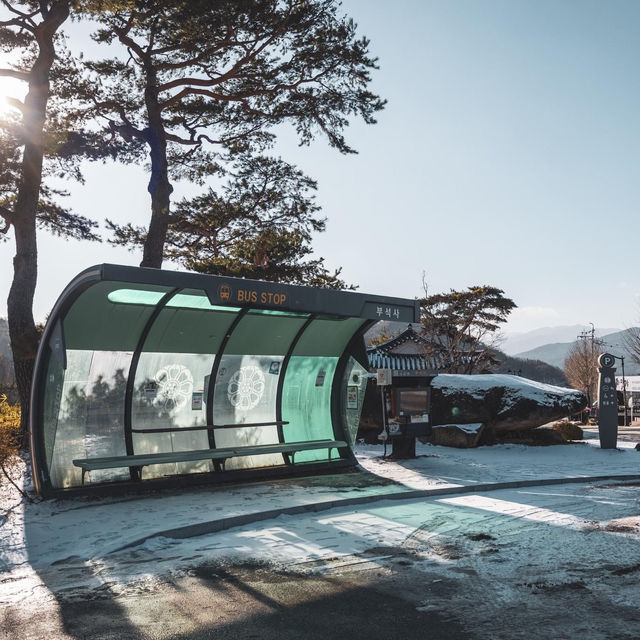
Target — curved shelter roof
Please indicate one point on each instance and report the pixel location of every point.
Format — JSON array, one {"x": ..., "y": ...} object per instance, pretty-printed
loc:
[{"x": 151, "y": 375}]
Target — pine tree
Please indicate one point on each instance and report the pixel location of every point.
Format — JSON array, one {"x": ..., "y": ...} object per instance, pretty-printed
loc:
[
  {"x": 462, "y": 325},
  {"x": 29, "y": 30},
  {"x": 206, "y": 81},
  {"x": 258, "y": 224}
]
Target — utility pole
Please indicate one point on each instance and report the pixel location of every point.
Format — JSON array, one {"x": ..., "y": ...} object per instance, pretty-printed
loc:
[
  {"x": 589, "y": 337},
  {"x": 586, "y": 335}
]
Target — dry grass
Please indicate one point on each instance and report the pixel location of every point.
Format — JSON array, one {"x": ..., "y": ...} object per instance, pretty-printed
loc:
[
  {"x": 9, "y": 439},
  {"x": 9, "y": 431},
  {"x": 570, "y": 430}
]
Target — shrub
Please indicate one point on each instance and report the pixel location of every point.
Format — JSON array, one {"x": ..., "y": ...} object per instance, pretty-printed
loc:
[
  {"x": 9, "y": 439},
  {"x": 570, "y": 430},
  {"x": 9, "y": 431}
]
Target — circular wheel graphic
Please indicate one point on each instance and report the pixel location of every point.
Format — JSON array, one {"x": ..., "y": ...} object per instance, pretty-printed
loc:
[
  {"x": 245, "y": 388},
  {"x": 175, "y": 386}
]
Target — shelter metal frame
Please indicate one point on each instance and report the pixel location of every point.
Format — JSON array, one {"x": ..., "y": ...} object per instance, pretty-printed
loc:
[{"x": 95, "y": 405}]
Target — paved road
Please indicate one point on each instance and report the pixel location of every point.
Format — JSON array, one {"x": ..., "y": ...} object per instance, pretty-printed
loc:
[
  {"x": 521, "y": 564},
  {"x": 244, "y": 602}
]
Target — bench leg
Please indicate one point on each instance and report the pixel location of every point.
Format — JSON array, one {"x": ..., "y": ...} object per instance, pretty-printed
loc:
[
  {"x": 135, "y": 473},
  {"x": 219, "y": 464}
]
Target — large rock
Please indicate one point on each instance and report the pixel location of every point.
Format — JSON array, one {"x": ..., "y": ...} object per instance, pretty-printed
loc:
[
  {"x": 462, "y": 436},
  {"x": 501, "y": 402}
]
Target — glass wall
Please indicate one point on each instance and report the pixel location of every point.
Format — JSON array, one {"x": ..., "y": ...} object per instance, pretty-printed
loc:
[
  {"x": 306, "y": 399},
  {"x": 84, "y": 404},
  {"x": 354, "y": 386},
  {"x": 157, "y": 348},
  {"x": 247, "y": 384},
  {"x": 171, "y": 380}
]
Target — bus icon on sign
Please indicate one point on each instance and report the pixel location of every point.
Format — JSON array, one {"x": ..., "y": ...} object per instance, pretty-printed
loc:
[{"x": 224, "y": 291}]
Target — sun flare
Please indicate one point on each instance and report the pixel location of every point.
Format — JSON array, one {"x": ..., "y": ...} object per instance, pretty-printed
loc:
[{"x": 10, "y": 88}]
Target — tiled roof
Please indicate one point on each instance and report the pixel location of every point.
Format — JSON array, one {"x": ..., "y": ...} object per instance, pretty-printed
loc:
[
  {"x": 409, "y": 334},
  {"x": 401, "y": 362},
  {"x": 380, "y": 356}
]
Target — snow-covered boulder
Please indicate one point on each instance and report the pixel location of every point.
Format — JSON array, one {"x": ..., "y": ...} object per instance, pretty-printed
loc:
[{"x": 501, "y": 402}]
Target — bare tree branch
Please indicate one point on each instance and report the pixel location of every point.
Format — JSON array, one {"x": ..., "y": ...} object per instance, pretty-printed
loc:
[
  {"x": 14, "y": 102},
  {"x": 7, "y": 214},
  {"x": 16, "y": 75}
]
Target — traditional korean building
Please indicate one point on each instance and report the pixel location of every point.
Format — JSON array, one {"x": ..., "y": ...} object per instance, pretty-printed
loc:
[{"x": 406, "y": 356}]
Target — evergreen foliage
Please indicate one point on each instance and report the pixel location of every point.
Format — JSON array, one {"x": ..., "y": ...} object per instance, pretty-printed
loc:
[
  {"x": 462, "y": 326},
  {"x": 257, "y": 225},
  {"x": 206, "y": 82},
  {"x": 62, "y": 135},
  {"x": 29, "y": 30}
]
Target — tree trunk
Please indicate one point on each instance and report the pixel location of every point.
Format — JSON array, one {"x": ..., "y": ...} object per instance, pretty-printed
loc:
[
  {"x": 159, "y": 186},
  {"x": 22, "y": 329}
]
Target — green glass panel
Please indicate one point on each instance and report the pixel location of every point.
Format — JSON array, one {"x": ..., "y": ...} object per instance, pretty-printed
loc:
[
  {"x": 68, "y": 442},
  {"x": 245, "y": 393},
  {"x": 353, "y": 389},
  {"x": 267, "y": 312},
  {"x": 169, "y": 393},
  {"x": 306, "y": 402},
  {"x": 306, "y": 399},
  {"x": 185, "y": 300},
  {"x": 181, "y": 329},
  {"x": 247, "y": 384},
  {"x": 53, "y": 386},
  {"x": 93, "y": 323},
  {"x": 264, "y": 335},
  {"x": 326, "y": 337},
  {"x": 104, "y": 401}
]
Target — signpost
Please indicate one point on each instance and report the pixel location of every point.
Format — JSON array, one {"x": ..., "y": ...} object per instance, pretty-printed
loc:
[
  {"x": 607, "y": 402},
  {"x": 384, "y": 379}
]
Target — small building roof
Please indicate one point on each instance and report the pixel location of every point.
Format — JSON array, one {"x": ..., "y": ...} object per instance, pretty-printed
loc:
[{"x": 405, "y": 355}]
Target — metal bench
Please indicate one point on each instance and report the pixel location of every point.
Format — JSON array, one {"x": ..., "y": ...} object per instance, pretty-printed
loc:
[{"x": 221, "y": 455}]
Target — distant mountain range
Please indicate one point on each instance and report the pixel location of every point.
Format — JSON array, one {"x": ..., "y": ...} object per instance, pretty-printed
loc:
[
  {"x": 556, "y": 353},
  {"x": 518, "y": 343}
]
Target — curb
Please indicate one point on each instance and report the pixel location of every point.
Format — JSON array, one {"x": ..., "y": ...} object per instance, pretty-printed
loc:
[{"x": 222, "y": 524}]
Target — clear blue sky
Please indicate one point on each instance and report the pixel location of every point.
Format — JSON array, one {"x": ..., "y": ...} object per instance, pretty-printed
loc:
[{"x": 508, "y": 154}]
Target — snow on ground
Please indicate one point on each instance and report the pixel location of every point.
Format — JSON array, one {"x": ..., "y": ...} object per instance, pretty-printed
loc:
[
  {"x": 446, "y": 467},
  {"x": 53, "y": 548}
]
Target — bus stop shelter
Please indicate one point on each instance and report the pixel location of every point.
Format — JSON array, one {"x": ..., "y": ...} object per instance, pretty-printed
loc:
[{"x": 163, "y": 377}]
